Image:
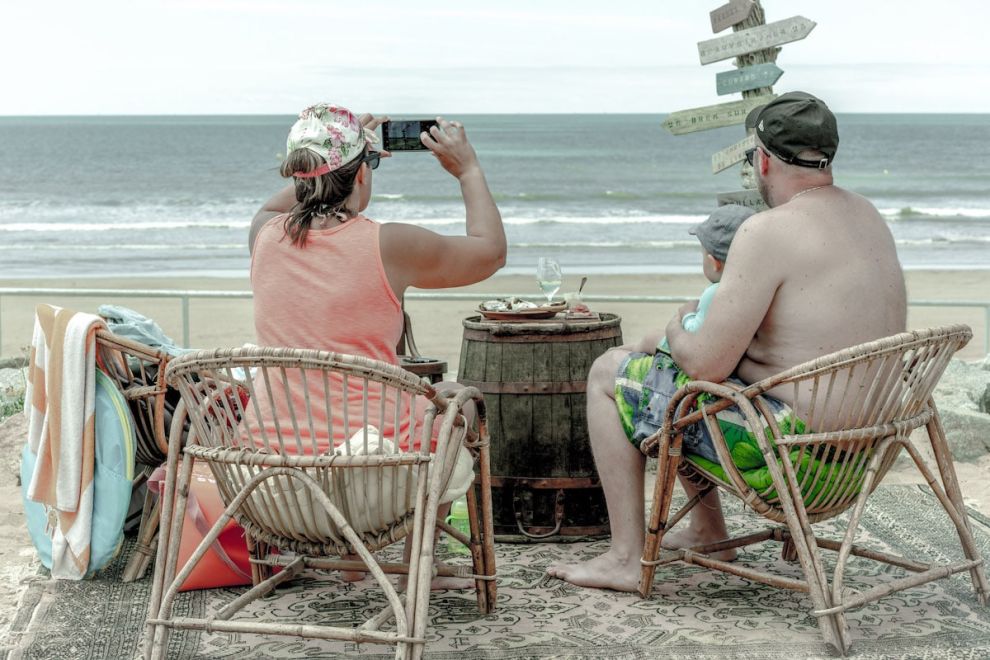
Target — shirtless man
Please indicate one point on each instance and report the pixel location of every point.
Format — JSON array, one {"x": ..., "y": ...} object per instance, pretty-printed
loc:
[{"x": 793, "y": 289}]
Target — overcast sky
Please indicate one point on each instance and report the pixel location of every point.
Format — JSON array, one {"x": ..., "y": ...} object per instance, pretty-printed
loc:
[{"x": 507, "y": 56}]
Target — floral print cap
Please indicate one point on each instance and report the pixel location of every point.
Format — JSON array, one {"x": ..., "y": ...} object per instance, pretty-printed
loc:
[{"x": 331, "y": 131}]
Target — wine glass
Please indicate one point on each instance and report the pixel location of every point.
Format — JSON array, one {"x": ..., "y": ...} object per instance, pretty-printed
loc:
[{"x": 548, "y": 277}]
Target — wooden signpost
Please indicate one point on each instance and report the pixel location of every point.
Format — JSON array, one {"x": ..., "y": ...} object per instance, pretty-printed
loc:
[
  {"x": 750, "y": 198},
  {"x": 729, "y": 156},
  {"x": 713, "y": 116},
  {"x": 753, "y": 39},
  {"x": 728, "y": 15},
  {"x": 750, "y": 77},
  {"x": 754, "y": 44}
]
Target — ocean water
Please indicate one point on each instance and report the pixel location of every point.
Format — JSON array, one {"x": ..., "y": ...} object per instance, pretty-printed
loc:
[{"x": 174, "y": 196}]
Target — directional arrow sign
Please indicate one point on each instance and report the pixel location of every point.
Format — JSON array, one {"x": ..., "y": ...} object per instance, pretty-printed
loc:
[
  {"x": 750, "y": 198},
  {"x": 760, "y": 37},
  {"x": 750, "y": 77},
  {"x": 736, "y": 11},
  {"x": 732, "y": 155},
  {"x": 713, "y": 116}
]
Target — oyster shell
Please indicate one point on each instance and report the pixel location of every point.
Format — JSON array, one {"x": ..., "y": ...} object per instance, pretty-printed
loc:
[{"x": 507, "y": 305}]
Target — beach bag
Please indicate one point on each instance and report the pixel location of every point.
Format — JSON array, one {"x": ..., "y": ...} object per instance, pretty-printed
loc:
[
  {"x": 127, "y": 323},
  {"x": 113, "y": 474},
  {"x": 226, "y": 562}
]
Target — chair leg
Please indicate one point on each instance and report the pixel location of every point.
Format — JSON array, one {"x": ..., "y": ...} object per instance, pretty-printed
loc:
[
  {"x": 477, "y": 558},
  {"x": 147, "y": 532},
  {"x": 834, "y": 629},
  {"x": 663, "y": 492},
  {"x": 166, "y": 525},
  {"x": 943, "y": 458},
  {"x": 789, "y": 552},
  {"x": 258, "y": 551},
  {"x": 487, "y": 531},
  {"x": 419, "y": 582},
  {"x": 171, "y": 556}
]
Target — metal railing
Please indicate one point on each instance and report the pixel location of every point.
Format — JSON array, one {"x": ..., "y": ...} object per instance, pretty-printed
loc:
[{"x": 185, "y": 296}]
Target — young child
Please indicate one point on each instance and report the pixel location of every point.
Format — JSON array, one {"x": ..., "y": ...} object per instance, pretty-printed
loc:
[{"x": 715, "y": 235}]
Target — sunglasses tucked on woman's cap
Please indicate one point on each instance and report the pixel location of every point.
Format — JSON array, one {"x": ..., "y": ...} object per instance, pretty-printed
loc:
[
  {"x": 330, "y": 131},
  {"x": 796, "y": 122}
]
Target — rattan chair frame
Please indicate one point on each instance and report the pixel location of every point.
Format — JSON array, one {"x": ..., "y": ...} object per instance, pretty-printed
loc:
[
  {"x": 139, "y": 374},
  {"x": 250, "y": 464},
  {"x": 891, "y": 381}
]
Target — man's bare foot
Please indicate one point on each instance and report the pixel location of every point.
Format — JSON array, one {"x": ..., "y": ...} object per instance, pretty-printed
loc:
[
  {"x": 688, "y": 538},
  {"x": 605, "y": 571}
]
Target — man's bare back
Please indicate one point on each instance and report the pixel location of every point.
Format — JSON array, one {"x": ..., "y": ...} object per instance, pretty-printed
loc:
[{"x": 837, "y": 260}]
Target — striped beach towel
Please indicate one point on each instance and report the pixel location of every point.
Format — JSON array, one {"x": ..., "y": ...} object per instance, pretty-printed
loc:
[{"x": 60, "y": 401}]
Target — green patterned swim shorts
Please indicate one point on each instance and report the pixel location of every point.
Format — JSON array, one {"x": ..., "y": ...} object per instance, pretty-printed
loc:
[{"x": 644, "y": 386}]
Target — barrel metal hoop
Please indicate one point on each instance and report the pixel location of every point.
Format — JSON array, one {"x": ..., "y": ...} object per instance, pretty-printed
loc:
[
  {"x": 538, "y": 387},
  {"x": 576, "y": 335},
  {"x": 545, "y": 483}
]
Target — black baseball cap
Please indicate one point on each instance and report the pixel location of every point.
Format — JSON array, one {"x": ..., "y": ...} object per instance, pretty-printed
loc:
[{"x": 795, "y": 122}]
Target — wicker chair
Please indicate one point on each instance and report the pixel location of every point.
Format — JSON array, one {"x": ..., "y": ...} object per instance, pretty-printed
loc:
[
  {"x": 290, "y": 489},
  {"x": 860, "y": 406},
  {"x": 139, "y": 373}
]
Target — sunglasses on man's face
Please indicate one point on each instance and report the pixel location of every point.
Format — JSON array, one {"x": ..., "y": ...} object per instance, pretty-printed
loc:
[
  {"x": 372, "y": 159},
  {"x": 750, "y": 154}
]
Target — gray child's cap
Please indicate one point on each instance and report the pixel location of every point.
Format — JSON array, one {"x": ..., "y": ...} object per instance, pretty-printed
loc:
[{"x": 715, "y": 233}]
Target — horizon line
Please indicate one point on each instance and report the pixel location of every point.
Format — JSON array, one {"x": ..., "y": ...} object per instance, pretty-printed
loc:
[{"x": 449, "y": 112}]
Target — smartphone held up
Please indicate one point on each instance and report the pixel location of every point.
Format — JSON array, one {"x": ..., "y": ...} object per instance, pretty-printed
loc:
[{"x": 403, "y": 134}]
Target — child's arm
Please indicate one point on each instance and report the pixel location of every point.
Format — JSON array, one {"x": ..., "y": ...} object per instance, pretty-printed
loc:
[
  {"x": 693, "y": 320},
  {"x": 648, "y": 344}
]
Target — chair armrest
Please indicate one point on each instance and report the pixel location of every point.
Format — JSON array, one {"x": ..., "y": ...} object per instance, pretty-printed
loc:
[
  {"x": 681, "y": 413},
  {"x": 453, "y": 434}
]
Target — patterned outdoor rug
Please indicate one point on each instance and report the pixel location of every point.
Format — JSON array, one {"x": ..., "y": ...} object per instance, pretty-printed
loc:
[{"x": 692, "y": 613}]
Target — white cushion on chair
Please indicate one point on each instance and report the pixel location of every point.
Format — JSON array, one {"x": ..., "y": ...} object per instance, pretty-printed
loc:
[
  {"x": 364, "y": 516},
  {"x": 370, "y": 498}
]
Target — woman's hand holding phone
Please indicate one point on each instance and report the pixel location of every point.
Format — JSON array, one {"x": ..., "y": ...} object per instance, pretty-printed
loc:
[{"x": 449, "y": 143}]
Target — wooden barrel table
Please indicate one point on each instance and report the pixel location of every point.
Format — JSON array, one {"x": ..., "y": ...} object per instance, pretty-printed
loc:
[{"x": 533, "y": 376}]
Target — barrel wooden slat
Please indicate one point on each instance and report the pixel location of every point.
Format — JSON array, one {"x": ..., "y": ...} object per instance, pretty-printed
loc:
[
  {"x": 517, "y": 409},
  {"x": 534, "y": 377}
]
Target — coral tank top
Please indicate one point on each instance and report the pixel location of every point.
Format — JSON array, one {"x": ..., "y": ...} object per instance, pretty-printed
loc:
[{"x": 331, "y": 295}]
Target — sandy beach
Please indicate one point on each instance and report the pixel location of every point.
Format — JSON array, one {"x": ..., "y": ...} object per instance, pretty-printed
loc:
[
  {"x": 437, "y": 324},
  {"x": 438, "y": 330}
]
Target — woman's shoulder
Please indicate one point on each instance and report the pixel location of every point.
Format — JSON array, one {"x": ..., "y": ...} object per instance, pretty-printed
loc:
[
  {"x": 262, "y": 226},
  {"x": 275, "y": 222}
]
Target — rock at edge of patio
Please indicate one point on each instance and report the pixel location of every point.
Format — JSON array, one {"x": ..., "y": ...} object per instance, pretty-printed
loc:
[
  {"x": 13, "y": 362},
  {"x": 12, "y": 385},
  {"x": 963, "y": 400},
  {"x": 13, "y": 435}
]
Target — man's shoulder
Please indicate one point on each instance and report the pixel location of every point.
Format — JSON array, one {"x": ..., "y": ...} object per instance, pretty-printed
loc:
[{"x": 760, "y": 227}]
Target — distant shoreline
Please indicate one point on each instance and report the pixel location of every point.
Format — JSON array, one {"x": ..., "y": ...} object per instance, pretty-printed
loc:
[{"x": 445, "y": 112}]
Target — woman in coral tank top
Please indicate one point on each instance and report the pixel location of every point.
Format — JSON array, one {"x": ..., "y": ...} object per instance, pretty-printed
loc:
[{"x": 327, "y": 277}]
